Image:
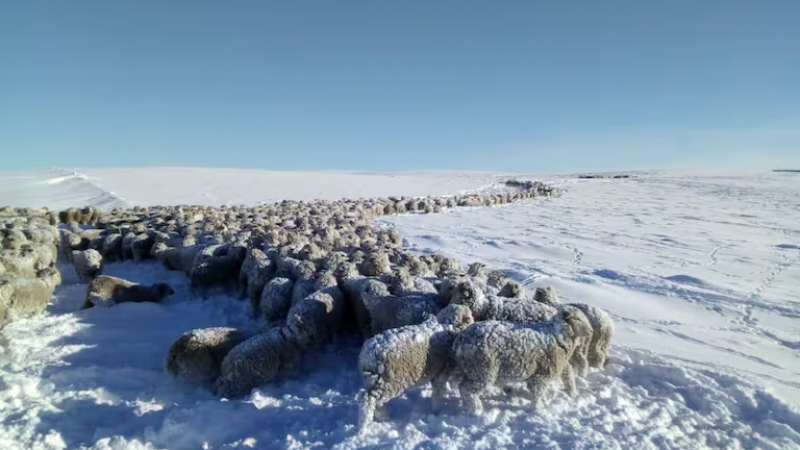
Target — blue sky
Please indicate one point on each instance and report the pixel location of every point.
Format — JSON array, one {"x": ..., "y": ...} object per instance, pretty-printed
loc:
[{"x": 376, "y": 85}]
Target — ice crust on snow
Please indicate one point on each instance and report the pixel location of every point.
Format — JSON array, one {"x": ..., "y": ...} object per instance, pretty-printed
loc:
[{"x": 700, "y": 272}]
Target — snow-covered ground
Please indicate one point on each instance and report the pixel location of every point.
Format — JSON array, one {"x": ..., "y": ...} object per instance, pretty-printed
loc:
[{"x": 700, "y": 271}]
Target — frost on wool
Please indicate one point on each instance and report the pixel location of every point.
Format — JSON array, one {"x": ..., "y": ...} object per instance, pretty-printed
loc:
[
  {"x": 389, "y": 312},
  {"x": 314, "y": 320},
  {"x": 492, "y": 352},
  {"x": 597, "y": 346},
  {"x": 490, "y": 307},
  {"x": 196, "y": 356},
  {"x": 261, "y": 359},
  {"x": 401, "y": 358},
  {"x": 108, "y": 291},
  {"x": 88, "y": 264}
]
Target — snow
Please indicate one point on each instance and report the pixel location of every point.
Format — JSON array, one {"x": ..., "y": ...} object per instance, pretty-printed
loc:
[{"x": 699, "y": 270}]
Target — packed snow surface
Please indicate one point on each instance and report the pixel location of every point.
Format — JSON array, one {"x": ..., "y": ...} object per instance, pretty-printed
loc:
[{"x": 701, "y": 273}]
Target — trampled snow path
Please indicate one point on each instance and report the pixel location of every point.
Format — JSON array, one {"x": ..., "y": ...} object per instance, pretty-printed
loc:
[{"x": 700, "y": 272}]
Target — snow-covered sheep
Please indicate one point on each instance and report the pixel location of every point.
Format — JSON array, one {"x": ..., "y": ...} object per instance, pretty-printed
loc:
[
  {"x": 141, "y": 246},
  {"x": 595, "y": 350},
  {"x": 260, "y": 359},
  {"x": 112, "y": 247},
  {"x": 28, "y": 259},
  {"x": 401, "y": 282},
  {"x": 23, "y": 296},
  {"x": 314, "y": 320},
  {"x": 196, "y": 357},
  {"x": 546, "y": 295},
  {"x": 495, "y": 352},
  {"x": 603, "y": 330},
  {"x": 106, "y": 290},
  {"x": 490, "y": 307},
  {"x": 375, "y": 264},
  {"x": 257, "y": 269},
  {"x": 88, "y": 264},
  {"x": 214, "y": 270},
  {"x": 401, "y": 358},
  {"x": 275, "y": 300},
  {"x": 512, "y": 289},
  {"x": 389, "y": 312},
  {"x": 496, "y": 279}
]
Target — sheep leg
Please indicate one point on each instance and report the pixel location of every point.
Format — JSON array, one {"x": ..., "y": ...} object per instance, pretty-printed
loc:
[
  {"x": 366, "y": 412},
  {"x": 439, "y": 388},
  {"x": 579, "y": 360},
  {"x": 537, "y": 385},
  {"x": 470, "y": 395},
  {"x": 568, "y": 377}
]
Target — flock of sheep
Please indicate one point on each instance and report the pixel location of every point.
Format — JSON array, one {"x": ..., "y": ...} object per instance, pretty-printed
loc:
[
  {"x": 313, "y": 271},
  {"x": 28, "y": 274}
]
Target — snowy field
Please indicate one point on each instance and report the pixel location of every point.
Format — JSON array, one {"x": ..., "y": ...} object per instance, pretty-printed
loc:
[{"x": 700, "y": 271}]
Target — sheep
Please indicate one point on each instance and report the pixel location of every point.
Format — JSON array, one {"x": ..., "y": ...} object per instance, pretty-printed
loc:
[
  {"x": 500, "y": 308},
  {"x": 492, "y": 352},
  {"x": 275, "y": 300},
  {"x": 603, "y": 331},
  {"x": 315, "y": 319},
  {"x": 256, "y": 271},
  {"x": 389, "y": 312},
  {"x": 546, "y": 295},
  {"x": 401, "y": 282},
  {"x": 595, "y": 350},
  {"x": 88, "y": 264},
  {"x": 23, "y": 296},
  {"x": 376, "y": 264},
  {"x": 112, "y": 247},
  {"x": 260, "y": 359},
  {"x": 512, "y": 289},
  {"x": 196, "y": 356},
  {"x": 395, "y": 360},
  {"x": 28, "y": 259},
  {"x": 107, "y": 291},
  {"x": 214, "y": 270},
  {"x": 361, "y": 293},
  {"x": 141, "y": 246},
  {"x": 126, "y": 248}
]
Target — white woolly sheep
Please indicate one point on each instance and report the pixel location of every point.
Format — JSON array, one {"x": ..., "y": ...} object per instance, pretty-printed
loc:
[
  {"x": 106, "y": 290},
  {"x": 490, "y": 307},
  {"x": 546, "y": 295},
  {"x": 389, "y": 312},
  {"x": 375, "y": 264},
  {"x": 257, "y": 269},
  {"x": 493, "y": 352},
  {"x": 596, "y": 348},
  {"x": 315, "y": 319},
  {"x": 196, "y": 357},
  {"x": 512, "y": 289},
  {"x": 275, "y": 300},
  {"x": 402, "y": 283},
  {"x": 88, "y": 264},
  {"x": 395, "y": 360},
  {"x": 261, "y": 359},
  {"x": 23, "y": 296}
]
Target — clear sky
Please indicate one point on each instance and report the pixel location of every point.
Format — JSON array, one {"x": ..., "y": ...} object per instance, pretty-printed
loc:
[{"x": 375, "y": 85}]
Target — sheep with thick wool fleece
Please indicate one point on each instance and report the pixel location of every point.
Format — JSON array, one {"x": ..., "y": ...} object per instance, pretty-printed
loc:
[
  {"x": 398, "y": 359},
  {"x": 496, "y": 352}
]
